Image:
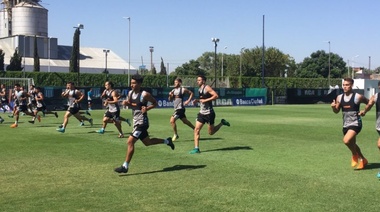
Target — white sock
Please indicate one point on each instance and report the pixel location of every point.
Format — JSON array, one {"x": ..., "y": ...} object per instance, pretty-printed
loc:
[{"x": 125, "y": 164}]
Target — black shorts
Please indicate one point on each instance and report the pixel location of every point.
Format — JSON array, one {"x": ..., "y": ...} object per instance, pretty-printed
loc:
[
  {"x": 42, "y": 109},
  {"x": 74, "y": 110},
  {"x": 140, "y": 132},
  {"x": 23, "y": 108},
  {"x": 209, "y": 118},
  {"x": 179, "y": 114},
  {"x": 357, "y": 129},
  {"x": 112, "y": 115},
  {"x": 89, "y": 102}
]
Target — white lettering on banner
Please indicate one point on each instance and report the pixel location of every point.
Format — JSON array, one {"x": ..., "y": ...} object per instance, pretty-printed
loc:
[
  {"x": 221, "y": 102},
  {"x": 309, "y": 92},
  {"x": 164, "y": 103},
  {"x": 224, "y": 102},
  {"x": 257, "y": 101}
]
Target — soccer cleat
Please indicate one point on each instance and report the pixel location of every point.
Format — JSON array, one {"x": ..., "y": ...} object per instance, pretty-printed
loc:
[
  {"x": 170, "y": 143},
  {"x": 56, "y": 114},
  {"x": 101, "y": 131},
  {"x": 224, "y": 122},
  {"x": 175, "y": 137},
  {"x": 195, "y": 151},
  {"x": 88, "y": 113},
  {"x": 10, "y": 116},
  {"x": 14, "y": 125},
  {"x": 91, "y": 121},
  {"x": 121, "y": 169},
  {"x": 1, "y": 120},
  {"x": 378, "y": 175},
  {"x": 121, "y": 136},
  {"x": 81, "y": 124},
  {"x": 39, "y": 118},
  {"x": 62, "y": 130},
  {"x": 128, "y": 122},
  {"x": 32, "y": 121},
  {"x": 354, "y": 160},
  {"x": 363, "y": 162}
]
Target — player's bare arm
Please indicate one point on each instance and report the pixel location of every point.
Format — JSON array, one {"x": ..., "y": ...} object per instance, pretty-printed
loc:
[
  {"x": 191, "y": 94},
  {"x": 335, "y": 105},
  {"x": 213, "y": 94},
  {"x": 368, "y": 106},
  {"x": 148, "y": 97}
]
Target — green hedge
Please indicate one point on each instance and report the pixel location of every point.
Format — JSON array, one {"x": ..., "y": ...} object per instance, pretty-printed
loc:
[{"x": 95, "y": 80}]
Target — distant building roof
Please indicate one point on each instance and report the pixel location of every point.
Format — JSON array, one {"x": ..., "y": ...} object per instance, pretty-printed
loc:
[{"x": 92, "y": 60}]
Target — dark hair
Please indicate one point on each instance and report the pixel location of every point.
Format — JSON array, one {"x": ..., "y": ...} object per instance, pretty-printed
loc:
[
  {"x": 17, "y": 85},
  {"x": 138, "y": 78},
  {"x": 203, "y": 77},
  {"x": 348, "y": 79},
  {"x": 71, "y": 83},
  {"x": 110, "y": 83},
  {"x": 179, "y": 80}
]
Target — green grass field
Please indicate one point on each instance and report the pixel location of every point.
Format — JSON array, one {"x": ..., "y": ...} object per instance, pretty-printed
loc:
[{"x": 272, "y": 158}]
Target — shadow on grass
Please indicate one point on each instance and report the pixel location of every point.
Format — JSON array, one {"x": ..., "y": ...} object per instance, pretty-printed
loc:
[
  {"x": 370, "y": 166},
  {"x": 169, "y": 169},
  {"x": 205, "y": 139},
  {"x": 230, "y": 148}
]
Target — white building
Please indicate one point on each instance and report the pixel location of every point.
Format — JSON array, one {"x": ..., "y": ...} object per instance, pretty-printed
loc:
[{"x": 23, "y": 20}]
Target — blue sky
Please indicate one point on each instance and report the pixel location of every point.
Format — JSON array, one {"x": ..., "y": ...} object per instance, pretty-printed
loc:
[{"x": 181, "y": 30}]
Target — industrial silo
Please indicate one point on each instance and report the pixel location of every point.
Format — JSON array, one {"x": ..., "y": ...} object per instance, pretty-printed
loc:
[{"x": 29, "y": 18}]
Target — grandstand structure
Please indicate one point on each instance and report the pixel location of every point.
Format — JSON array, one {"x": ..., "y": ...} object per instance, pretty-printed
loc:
[{"x": 21, "y": 21}]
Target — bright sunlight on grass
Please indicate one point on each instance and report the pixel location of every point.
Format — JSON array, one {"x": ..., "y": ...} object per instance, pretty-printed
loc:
[{"x": 272, "y": 158}]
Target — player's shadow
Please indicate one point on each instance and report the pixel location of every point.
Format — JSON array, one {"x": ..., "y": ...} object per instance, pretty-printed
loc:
[
  {"x": 372, "y": 166},
  {"x": 230, "y": 148},
  {"x": 170, "y": 169},
  {"x": 209, "y": 139}
]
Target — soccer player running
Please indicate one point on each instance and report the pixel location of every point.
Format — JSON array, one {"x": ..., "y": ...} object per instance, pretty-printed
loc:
[
  {"x": 349, "y": 102},
  {"x": 21, "y": 97},
  {"x": 4, "y": 99},
  {"x": 74, "y": 97},
  {"x": 40, "y": 105},
  {"x": 374, "y": 100},
  {"x": 177, "y": 95},
  {"x": 206, "y": 113},
  {"x": 113, "y": 110},
  {"x": 89, "y": 99},
  {"x": 138, "y": 100}
]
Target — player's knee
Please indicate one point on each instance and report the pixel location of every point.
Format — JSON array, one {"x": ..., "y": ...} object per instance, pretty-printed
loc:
[{"x": 346, "y": 141}]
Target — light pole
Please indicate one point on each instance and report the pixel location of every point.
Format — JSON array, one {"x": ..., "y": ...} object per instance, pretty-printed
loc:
[
  {"x": 241, "y": 52},
  {"x": 79, "y": 27},
  {"x": 215, "y": 40},
  {"x": 222, "y": 61},
  {"x": 352, "y": 65},
  {"x": 329, "y": 62},
  {"x": 129, "y": 49},
  {"x": 49, "y": 54},
  {"x": 106, "y": 51},
  {"x": 151, "y": 49},
  {"x": 24, "y": 56}
]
